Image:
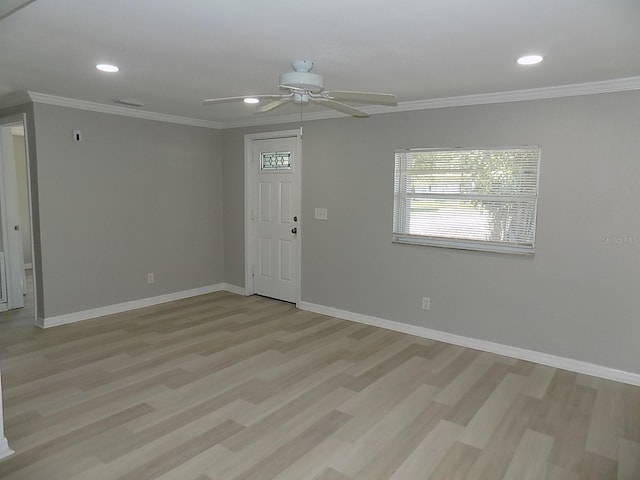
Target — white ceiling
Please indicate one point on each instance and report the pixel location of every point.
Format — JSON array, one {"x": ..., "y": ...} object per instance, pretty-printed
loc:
[{"x": 174, "y": 54}]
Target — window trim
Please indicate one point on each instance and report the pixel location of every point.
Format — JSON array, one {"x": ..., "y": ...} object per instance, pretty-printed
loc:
[{"x": 459, "y": 243}]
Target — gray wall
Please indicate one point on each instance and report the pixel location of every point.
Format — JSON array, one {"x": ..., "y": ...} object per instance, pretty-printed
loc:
[
  {"x": 134, "y": 196},
  {"x": 575, "y": 298}
]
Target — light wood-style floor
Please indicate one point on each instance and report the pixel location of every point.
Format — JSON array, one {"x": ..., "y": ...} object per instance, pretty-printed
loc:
[{"x": 224, "y": 387}]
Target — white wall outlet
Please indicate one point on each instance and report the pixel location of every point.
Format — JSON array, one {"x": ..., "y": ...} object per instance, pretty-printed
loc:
[
  {"x": 150, "y": 278},
  {"x": 320, "y": 214},
  {"x": 426, "y": 303}
]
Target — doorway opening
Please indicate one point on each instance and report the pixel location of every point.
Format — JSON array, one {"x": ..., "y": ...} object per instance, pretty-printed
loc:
[{"x": 17, "y": 295}]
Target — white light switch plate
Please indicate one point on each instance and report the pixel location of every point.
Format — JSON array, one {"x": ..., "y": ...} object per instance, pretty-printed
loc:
[{"x": 321, "y": 214}]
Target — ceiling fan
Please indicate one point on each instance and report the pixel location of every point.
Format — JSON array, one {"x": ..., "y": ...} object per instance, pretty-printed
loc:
[{"x": 302, "y": 87}]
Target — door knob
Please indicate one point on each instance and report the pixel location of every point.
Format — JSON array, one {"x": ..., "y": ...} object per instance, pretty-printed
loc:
[{"x": 294, "y": 230}]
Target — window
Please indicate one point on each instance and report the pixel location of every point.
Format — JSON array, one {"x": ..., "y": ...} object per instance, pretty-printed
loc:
[
  {"x": 475, "y": 199},
  {"x": 275, "y": 161}
]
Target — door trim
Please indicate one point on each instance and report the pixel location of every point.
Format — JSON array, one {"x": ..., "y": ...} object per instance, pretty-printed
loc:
[{"x": 250, "y": 187}]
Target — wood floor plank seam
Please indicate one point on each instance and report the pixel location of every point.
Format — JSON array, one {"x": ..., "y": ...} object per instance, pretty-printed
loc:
[{"x": 226, "y": 387}]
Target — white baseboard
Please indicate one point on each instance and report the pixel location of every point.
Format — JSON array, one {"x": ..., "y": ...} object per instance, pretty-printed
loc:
[
  {"x": 564, "y": 363},
  {"x": 234, "y": 289},
  {"x": 5, "y": 451},
  {"x": 555, "y": 361},
  {"x": 135, "y": 304}
]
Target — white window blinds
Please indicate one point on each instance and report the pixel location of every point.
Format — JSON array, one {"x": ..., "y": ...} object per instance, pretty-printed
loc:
[{"x": 477, "y": 199}]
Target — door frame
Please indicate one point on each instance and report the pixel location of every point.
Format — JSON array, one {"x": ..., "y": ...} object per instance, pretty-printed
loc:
[
  {"x": 250, "y": 199},
  {"x": 9, "y": 204}
]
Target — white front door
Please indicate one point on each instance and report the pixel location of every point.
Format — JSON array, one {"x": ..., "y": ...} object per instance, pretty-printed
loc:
[{"x": 276, "y": 217}]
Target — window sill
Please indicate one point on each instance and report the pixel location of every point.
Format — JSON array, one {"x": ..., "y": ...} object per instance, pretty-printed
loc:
[{"x": 479, "y": 246}]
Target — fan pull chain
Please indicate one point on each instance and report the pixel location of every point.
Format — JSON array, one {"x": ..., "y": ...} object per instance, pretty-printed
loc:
[{"x": 300, "y": 120}]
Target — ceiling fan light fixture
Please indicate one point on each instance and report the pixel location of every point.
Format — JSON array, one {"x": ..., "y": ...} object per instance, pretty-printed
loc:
[
  {"x": 107, "y": 67},
  {"x": 530, "y": 59},
  {"x": 251, "y": 100},
  {"x": 300, "y": 98}
]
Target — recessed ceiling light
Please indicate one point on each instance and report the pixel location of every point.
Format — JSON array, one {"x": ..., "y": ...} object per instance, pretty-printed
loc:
[
  {"x": 105, "y": 67},
  {"x": 251, "y": 100},
  {"x": 530, "y": 59}
]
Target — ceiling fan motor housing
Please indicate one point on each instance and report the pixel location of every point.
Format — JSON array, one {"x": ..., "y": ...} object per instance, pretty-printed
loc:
[{"x": 307, "y": 81}]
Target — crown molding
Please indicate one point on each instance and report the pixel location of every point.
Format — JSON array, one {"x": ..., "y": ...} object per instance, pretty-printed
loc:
[
  {"x": 12, "y": 6},
  {"x": 577, "y": 89},
  {"x": 573, "y": 90},
  {"x": 118, "y": 110},
  {"x": 592, "y": 88}
]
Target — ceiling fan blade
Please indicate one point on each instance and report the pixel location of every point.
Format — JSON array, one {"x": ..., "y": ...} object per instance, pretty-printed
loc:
[
  {"x": 341, "y": 107},
  {"x": 365, "y": 97},
  {"x": 276, "y": 103},
  {"x": 212, "y": 101}
]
